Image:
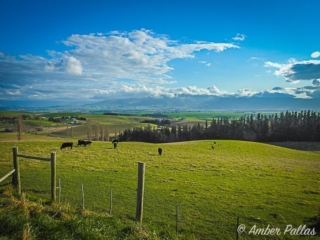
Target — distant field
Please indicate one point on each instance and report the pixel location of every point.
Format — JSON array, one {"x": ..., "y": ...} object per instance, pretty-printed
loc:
[
  {"x": 261, "y": 183},
  {"x": 12, "y": 113},
  {"x": 114, "y": 124},
  {"x": 205, "y": 115}
]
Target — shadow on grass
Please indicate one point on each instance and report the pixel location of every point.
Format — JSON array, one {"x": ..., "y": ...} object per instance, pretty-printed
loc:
[{"x": 304, "y": 146}]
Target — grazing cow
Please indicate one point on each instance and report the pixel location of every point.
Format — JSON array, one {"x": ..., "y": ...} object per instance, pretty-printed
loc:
[
  {"x": 212, "y": 147},
  {"x": 115, "y": 145},
  {"x": 115, "y": 141},
  {"x": 66, "y": 144},
  {"x": 160, "y": 151},
  {"x": 84, "y": 143}
]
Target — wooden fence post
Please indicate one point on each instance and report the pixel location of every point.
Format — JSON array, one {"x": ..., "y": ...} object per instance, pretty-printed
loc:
[
  {"x": 140, "y": 192},
  {"x": 82, "y": 190},
  {"x": 110, "y": 201},
  {"x": 177, "y": 218},
  {"x": 59, "y": 190},
  {"x": 53, "y": 176},
  {"x": 237, "y": 231},
  {"x": 16, "y": 175}
]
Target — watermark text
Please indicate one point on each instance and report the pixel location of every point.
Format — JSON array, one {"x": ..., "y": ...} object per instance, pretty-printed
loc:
[{"x": 301, "y": 230}]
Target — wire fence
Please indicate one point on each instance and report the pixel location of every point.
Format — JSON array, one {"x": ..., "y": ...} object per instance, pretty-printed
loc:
[{"x": 161, "y": 208}]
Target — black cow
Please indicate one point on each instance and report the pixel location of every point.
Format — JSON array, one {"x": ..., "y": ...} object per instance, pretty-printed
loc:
[
  {"x": 115, "y": 145},
  {"x": 66, "y": 144},
  {"x": 81, "y": 142},
  {"x": 84, "y": 143},
  {"x": 160, "y": 151},
  {"x": 115, "y": 141}
]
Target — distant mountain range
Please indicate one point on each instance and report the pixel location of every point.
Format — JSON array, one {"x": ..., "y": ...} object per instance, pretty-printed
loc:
[
  {"x": 272, "y": 102},
  {"x": 205, "y": 103}
]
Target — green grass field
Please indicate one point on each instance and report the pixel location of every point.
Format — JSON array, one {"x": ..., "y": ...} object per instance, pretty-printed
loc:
[{"x": 263, "y": 184}]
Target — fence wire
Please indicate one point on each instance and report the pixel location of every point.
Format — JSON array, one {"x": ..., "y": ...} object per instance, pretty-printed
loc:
[
  {"x": 162, "y": 206},
  {"x": 35, "y": 177}
]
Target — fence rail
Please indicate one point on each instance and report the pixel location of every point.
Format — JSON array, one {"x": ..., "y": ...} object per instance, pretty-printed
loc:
[
  {"x": 33, "y": 157},
  {"x": 16, "y": 176},
  {"x": 7, "y": 175}
]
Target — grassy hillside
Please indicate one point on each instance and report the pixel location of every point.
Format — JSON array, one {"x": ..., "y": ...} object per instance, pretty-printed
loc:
[{"x": 262, "y": 184}]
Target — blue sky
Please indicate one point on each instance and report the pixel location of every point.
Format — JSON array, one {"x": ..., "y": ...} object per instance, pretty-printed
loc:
[{"x": 95, "y": 50}]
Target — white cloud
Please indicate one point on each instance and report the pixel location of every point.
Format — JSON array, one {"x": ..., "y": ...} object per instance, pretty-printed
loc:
[
  {"x": 13, "y": 93},
  {"x": 246, "y": 92},
  {"x": 255, "y": 58},
  {"x": 100, "y": 61},
  {"x": 205, "y": 63},
  {"x": 272, "y": 64},
  {"x": 239, "y": 37},
  {"x": 295, "y": 71},
  {"x": 170, "y": 92},
  {"x": 315, "y": 54},
  {"x": 72, "y": 65},
  {"x": 140, "y": 55},
  {"x": 121, "y": 90}
]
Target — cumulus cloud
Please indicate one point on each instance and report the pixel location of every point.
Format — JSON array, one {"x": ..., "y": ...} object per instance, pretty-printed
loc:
[
  {"x": 72, "y": 65},
  {"x": 133, "y": 91},
  {"x": 239, "y": 37},
  {"x": 99, "y": 62},
  {"x": 246, "y": 93},
  {"x": 159, "y": 91},
  {"x": 297, "y": 70},
  {"x": 66, "y": 64},
  {"x": 124, "y": 90}
]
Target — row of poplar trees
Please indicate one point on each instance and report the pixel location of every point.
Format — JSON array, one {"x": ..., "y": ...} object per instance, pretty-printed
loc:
[{"x": 285, "y": 126}]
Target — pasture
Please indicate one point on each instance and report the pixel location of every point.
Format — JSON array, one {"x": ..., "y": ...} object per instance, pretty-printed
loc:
[
  {"x": 98, "y": 122},
  {"x": 263, "y": 184},
  {"x": 201, "y": 115}
]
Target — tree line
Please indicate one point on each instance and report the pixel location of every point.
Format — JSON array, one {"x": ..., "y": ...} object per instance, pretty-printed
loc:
[
  {"x": 161, "y": 122},
  {"x": 285, "y": 126}
]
